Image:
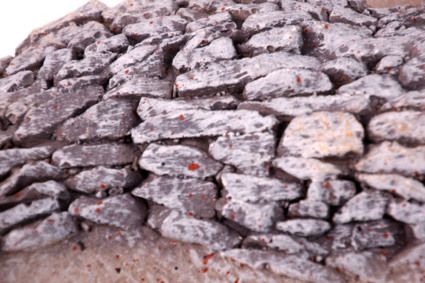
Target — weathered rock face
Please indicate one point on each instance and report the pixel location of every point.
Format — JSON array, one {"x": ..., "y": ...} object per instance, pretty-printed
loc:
[{"x": 287, "y": 135}]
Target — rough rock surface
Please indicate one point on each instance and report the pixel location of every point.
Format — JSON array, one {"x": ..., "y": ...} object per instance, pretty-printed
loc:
[{"x": 285, "y": 134}]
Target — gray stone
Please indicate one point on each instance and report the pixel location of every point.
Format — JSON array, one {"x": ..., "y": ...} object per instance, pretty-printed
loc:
[
  {"x": 4, "y": 62},
  {"x": 241, "y": 12},
  {"x": 338, "y": 239},
  {"x": 344, "y": 70},
  {"x": 101, "y": 179},
  {"x": 54, "y": 62},
  {"x": 234, "y": 74},
  {"x": 409, "y": 100},
  {"x": 55, "y": 228},
  {"x": 200, "y": 123},
  {"x": 287, "y": 38},
  {"x": 94, "y": 155},
  {"x": 136, "y": 55},
  {"x": 192, "y": 58},
  {"x": 39, "y": 122},
  {"x": 179, "y": 226},
  {"x": 262, "y": 21},
  {"x": 348, "y": 16},
  {"x": 251, "y": 153},
  {"x": 418, "y": 230},
  {"x": 287, "y": 82},
  {"x": 110, "y": 119},
  {"x": 122, "y": 211},
  {"x": 309, "y": 208},
  {"x": 382, "y": 86},
  {"x": 151, "y": 107},
  {"x": 117, "y": 44},
  {"x": 13, "y": 157},
  {"x": 287, "y": 108},
  {"x": 304, "y": 227},
  {"x": 89, "y": 33},
  {"x": 24, "y": 212},
  {"x": 257, "y": 189},
  {"x": 307, "y": 168},
  {"x": 365, "y": 206},
  {"x": 178, "y": 160},
  {"x": 376, "y": 234},
  {"x": 191, "y": 196},
  {"x": 406, "y": 212},
  {"x": 391, "y": 157},
  {"x": 389, "y": 65},
  {"x": 30, "y": 59},
  {"x": 89, "y": 66},
  {"x": 411, "y": 73},
  {"x": 16, "y": 81},
  {"x": 332, "y": 192},
  {"x": 407, "y": 188},
  {"x": 323, "y": 134},
  {"x": 258, "y": 217},
  {"x": 29, "y": 173},
  {"x": 293, "y": 266},
  {"x": 154, "y": 26},
  {"x": 208, "y": 22},
  {"x": 141, "y": 87}
]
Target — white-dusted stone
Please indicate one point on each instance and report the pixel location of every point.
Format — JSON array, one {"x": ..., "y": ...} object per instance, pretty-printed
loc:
[
  {"x": 407, "y": 212},
  {"x": 332, "y": 192},
  {"x": 304, "y": 227}
]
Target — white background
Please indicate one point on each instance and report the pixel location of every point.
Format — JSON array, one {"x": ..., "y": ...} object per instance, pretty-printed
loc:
[{"x": 19, "y": 17}]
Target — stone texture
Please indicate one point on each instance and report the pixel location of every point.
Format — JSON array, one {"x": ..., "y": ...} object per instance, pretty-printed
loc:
[
  {"x": 103, "y": 179},
  {"x": 309, "y": 208},
  {"x": 199, "y": 123},
  {"x": 141, "y": 87},
  {"x": 121, "y": 211},
  {"x": 365, "y": 206},
  {"x": 16, "y": 81},
  {"x": 30, "y": 59},
  {"x": 411, "y": 73},
  {"x": 261, "y": 21},
  {"x": 304, "y": 227},
  {"x": 54, "y": 62},
  {"x": 117, "y": 44},
  {"x": 406, "y": 212},
  {"x": 94, "y": 155},
  {"x": 348, "y": 16},
  {"x": 376, "y": 234},
  {"x": 323, "y": 134},
  {"x": 89, "y": 33},
  {"x": 190, "y": 196},
  {"x": 332, "y": 192},
  {"x": 344, "y": 70},
  {"x": 55, "y": 228}
]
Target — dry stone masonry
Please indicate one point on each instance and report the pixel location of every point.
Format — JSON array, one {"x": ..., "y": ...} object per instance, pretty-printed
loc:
[{"x": 285, "y": 136}]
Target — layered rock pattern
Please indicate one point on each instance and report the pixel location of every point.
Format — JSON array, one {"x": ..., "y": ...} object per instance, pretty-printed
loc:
[{"x": 281, "y": 134}]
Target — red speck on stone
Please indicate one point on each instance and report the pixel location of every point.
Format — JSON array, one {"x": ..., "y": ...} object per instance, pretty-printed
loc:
[
  {"x": 74, "y": 247},
  {"x": 18, "y": 195},
  {"x": 99, "y": 202},
  {"x": 76, "y": 210},
  {"x": 222, "y": 9},
  {"x": 298, "y": 79},
  {"x": 236, "y": 280},
  {"x": 327, "y": 185},
  {"x": 193, "y": 166},
  {"x": 98, "y": 42},
  {"x": 147, "y": 15},
  {"x": 103, "y": 186},
  {"x": 413, "y": 18},
  {"x": 151, "y": 22},
  {"x": 98, "y": 210},
  {"x": 326, "y": 26},
  {"x": 181, "y": 117},
  {"x": 233, "y": 215},
  {"x": 386, "y": 235},
  {"x": 126, "y": 71},
  {"x": 206, "y": 258},
  {"x": 51, "y": 221},
  {"x": 189, "y": 213},
  {"x": 227, "y": 273},
  {"x": 117, "y": 256},
  {"x": 189, "y": 195},
  {"x": 418, "y": 263},
  {"x": 393, "y": 191},
  {"x": 177, "y": 85},
  {"x": 204, "y": 270}
]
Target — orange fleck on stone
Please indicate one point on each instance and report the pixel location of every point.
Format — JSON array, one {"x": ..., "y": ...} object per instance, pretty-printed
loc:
[
  {"x": 327, "y": 185},
  {"x": 204, "y": 270},
  {"x": 181, "y": 117},
  {"x": 326, "y": 26},
  {"x": 103, "y": 186},
  {"x": 386, "y": 235},
  {"x": 236, "y": 280},
  {"x": 207, "y": 258},
  {"x": 98, "y": 210},
  {"x": 76, "y": 210},
  {"x": 298, "y": 79},
  {"x": 223, "y": 8},
  {"x": 18, "y": 195},
  {"x": 193, "y": 166},
  {"x": 99, "y": 202}
]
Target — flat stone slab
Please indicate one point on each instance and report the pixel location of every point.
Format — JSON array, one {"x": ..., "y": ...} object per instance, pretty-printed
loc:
[
  {"x": 411, "y": 73},
  {"x": 251, "y": 154},
  {"x": 151, "y": 107},
  {"x": 391, "y": 157},
  {"x": 110, "y": 119},
  {"x": 289, "y": 107},
  {"x": 406, "y": 212},
  {"x": 293, "y": 266},
  {"x": 88, "y": 34},
  {"x": 287, "y": 38},
  {"x": 234, "y": 74},
  {"x": 94, "y": 155},
  {"x": 307, "y": 168},
  {"x": 258, "y": 217},
  {"x": 382, "y": 86},
  {"x": 53, "y": 229},
  {"x": 262, "y": 21},
  {"x": 323, "y": 134},
  {"x": 344, "y": 70},
  {"x": 40, "y": 121},
  {"x": 287, "y": 82},
  {"x": 29, "y": 173},
  {"x": 10, "y": 158},
  {"x": 103, "y": 179},
  {"x": 304, "y": 227},
  {"x": 121, "y": 211},
  {"x": 24, "y": 212},
  {"x": 414, "y": 100},
  {"x": 16, "y": 81},
  {"x": 365, "y": 206},
  {"x": 178, "y": 226},
  {"x": 153, "y": 26},
  {"x": 258, "y": 189},
  {"x": 54, "y": 62},
  {"x": 200, "y": 123},
  {"x": 404, "y": 126},
  {"x": 309, "y": 208},
  {"x": 178, "y": 160},
  {"x": 376, "y": 234},
  {"x": 332, "y": 192},
  {"x": 407, "y": 188},
  {"x": 191, "y": 196},
  {"x": 116, "y": 44},
  {"x": 30, "y": 59},
  {"x": 141, "y": 87},
  {"x": 348, "y": 16}
]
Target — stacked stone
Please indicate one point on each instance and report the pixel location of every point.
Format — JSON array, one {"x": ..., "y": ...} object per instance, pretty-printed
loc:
[{"x": 287, "y": 134}]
